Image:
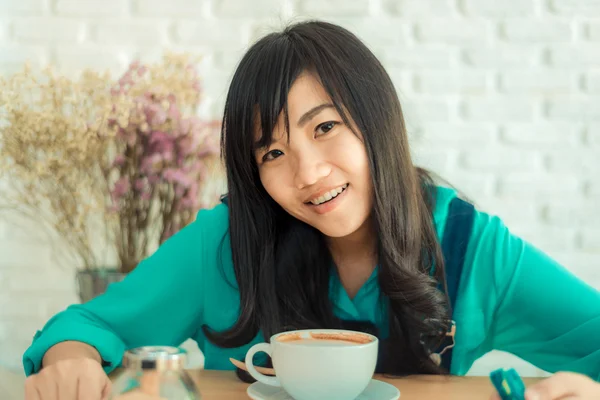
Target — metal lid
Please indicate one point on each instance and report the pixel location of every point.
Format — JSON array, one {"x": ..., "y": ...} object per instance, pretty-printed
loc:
[{"x": 155, "y": 357}]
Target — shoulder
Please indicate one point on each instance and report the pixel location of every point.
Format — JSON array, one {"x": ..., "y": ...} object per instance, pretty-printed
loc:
[
  {"x": 483, "y": 222},
  {"x": 212, "y": 228},
  {"x": 479, "y": 245},
  {"x": 218, "y": 215},
  {"x": 196, "y": 243},
  {"x": 214, "y": 221},
  {"x": 443, "y": 197},
  {"x": 488, "y": 233}
]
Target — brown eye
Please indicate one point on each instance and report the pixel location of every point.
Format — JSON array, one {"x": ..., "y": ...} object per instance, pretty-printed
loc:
[
  {"x": 324, "y": 128},
  {"x": 271, "y": 155}
]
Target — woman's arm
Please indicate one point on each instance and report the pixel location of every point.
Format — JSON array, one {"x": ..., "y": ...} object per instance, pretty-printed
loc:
[
  {"x": 159, "y": 303},
  {"x": 541, "y": 312},
  {"x": 70, "y": 350}
]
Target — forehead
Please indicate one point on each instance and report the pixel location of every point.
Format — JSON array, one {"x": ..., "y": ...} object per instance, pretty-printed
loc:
[{"x": 305, "y": 93}]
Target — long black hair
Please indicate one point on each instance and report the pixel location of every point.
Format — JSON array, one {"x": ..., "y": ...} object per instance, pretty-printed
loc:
[{"x": 282, "y": 265}]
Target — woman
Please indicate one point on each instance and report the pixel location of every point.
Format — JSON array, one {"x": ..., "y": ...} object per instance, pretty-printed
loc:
[{"x": 327, "y": 223}]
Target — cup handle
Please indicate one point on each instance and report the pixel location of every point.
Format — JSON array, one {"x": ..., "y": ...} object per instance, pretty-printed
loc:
[{"x": 268, "y": 380}]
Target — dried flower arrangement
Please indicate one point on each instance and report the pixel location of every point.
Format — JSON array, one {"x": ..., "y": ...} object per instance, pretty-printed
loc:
[{"x": 92, "y": 157}]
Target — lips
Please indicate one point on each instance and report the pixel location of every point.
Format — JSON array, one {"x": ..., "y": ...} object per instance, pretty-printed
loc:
[{"x": 327, "y": 195}]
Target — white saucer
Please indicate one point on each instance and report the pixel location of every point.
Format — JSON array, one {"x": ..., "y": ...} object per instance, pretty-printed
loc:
[{"x": 376, "y": 390}]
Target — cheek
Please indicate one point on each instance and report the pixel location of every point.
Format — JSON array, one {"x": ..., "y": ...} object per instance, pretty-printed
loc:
[
  {"x": 267, "y": 182},
  {"x": 272, "y": 182},
  {"x": 352, "y": 157}
]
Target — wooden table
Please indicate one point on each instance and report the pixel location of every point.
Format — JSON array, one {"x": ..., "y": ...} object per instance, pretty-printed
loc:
[{"x": 221, "y": 385}]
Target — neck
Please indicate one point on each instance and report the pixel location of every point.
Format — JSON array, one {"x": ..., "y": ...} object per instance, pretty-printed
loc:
[
  {"x": 355, "y": 257},
  {"x": 358, "y": 245}
]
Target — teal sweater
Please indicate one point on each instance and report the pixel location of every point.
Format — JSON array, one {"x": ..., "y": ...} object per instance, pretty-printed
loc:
[{"x": 511, "y": 297}]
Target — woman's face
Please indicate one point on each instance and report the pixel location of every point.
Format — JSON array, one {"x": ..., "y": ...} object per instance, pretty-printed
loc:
[{"x": 321, "y": 175}]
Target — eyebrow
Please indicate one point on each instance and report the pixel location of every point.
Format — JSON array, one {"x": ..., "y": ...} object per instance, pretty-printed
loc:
[
  {"x": 303, "y": 120},
  {"x": 310, "y": 114}
]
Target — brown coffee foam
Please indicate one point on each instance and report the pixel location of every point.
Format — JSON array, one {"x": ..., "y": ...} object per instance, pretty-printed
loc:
[
  {"x": 343, "y": 336},
  {"x": 289, "y": 337},
  {"x": 346, "y": 337}
]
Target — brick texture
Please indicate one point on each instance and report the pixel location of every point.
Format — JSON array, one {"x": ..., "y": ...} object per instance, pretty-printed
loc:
[
  {"x": 524, "y": 30},
  {"x": 332, "y": 7},
  {"x": 92, "y": 8},
  {"x": 542, "y": 135},
  {"x": 592, "y": 82},
  {"x": 498, "y": 109},
  {"x": 452, "y": 31},
  {"x": 451, "y": 82},
  {"x": 567, "y": 56},
  {"x": 569, "y": 8},
  {"x": 184, "y": 9},
  {"x": 494, "y": 9},
  {"x": 423, "y": 8},
  {"x": 574, "y": 108},
  {"x": 552, "y": 82},
  {"x": 23, "y": 7},
  {"x": 143, "y": 33},
  {"x": 593, "y": 31},
  {"x": 44, "y": 31},
  {"x": 501, "y": 56},
  {"x": 250, "y": 9}
]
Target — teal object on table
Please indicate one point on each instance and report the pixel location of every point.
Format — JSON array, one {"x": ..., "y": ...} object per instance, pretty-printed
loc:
[{"x": 508, "y": 383}]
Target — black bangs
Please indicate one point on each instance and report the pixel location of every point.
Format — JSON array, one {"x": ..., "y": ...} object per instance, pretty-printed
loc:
[
  {"x": 278, "y": 68},
  {"x": 257, "y": 96}
]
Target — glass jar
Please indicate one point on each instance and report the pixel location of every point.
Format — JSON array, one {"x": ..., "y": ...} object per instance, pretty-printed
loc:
[{"x": 155, "y": 372}]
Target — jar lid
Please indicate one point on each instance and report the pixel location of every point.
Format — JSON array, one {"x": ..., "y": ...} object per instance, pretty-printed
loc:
[{"x": 155, "y": 357}]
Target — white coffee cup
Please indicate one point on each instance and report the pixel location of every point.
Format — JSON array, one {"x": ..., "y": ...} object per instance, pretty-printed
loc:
[{"x": 319, "y": 364}]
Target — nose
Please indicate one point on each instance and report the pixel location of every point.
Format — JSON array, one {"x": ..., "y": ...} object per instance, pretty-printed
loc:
[{"x": 310, "y": 169}]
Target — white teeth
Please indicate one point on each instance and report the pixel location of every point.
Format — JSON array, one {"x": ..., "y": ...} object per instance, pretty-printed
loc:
[{"x": 329, "y": 195}]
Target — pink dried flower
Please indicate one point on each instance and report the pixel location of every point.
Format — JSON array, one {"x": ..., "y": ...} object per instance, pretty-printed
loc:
[
  {"x": 161, "y": 149},
  {"x": 119, "y": 160},
  {"x": 153, "y": 179},
  {"x": 121, "y": 187},
  {"x": 146, "y": 195},
  {"x": 177, "y": 176},
  {"x": 139, "y": 184},
  {"x": 155, "y": 115}
]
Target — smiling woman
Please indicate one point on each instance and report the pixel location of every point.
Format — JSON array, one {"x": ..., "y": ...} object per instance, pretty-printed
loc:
[{"x": 329, "y": 224}]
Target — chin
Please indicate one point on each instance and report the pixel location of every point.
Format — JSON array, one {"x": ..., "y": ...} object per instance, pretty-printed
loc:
[{"x": 338, "y": 230}]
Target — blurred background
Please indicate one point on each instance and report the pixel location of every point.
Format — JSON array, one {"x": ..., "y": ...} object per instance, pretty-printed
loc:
[{"x": 502, "y": 99}]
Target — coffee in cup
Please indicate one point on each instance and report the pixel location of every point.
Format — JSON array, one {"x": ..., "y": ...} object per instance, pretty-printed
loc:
[{"x": 319, "y": 364}]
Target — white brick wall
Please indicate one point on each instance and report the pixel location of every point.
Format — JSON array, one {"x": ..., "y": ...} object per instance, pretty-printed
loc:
[
  {"x": 81, "y": 8},
  {"x": 495, "y": 9},
  {"x": 48, "y": 31},
  {"x": 501, "y": 98},
  {"x": 424, "y": 8}
]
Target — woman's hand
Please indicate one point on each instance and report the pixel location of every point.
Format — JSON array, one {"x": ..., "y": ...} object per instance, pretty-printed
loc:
[
  {"x": 69, "y": 379},
  {"x": 562, "y": 386}
]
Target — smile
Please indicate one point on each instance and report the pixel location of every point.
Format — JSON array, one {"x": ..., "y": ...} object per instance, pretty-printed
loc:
[{"x": 328, "y": 196}]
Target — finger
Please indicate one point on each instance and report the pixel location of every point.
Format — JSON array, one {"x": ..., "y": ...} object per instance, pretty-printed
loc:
[
  {"x": 67, "y": 389},
  {"x": 46, "y": 387},
  {"x": 107, "y": 389},
  {"x": 495, "y": 396},
  {"x": 88, "y": 389},
  {"x": 30, "y": 390},
  {"x": 558, "y": 386}
]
